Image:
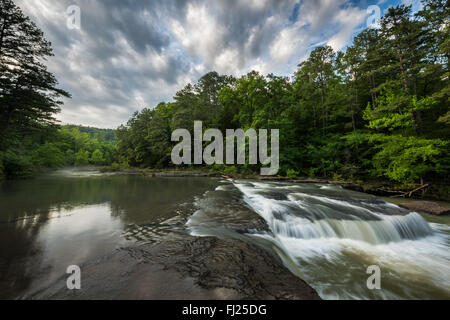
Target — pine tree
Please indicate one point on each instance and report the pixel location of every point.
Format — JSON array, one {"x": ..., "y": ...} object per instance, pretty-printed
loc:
[{"x": 28, "y": 92}]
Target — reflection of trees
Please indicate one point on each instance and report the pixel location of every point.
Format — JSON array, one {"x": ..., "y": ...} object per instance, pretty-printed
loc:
[
  {"x": 16, "y": 249},
  {"x": 129, "y": 195},
  {"x": 149, "y": 199},
  {"x": 25, "y": 206}
]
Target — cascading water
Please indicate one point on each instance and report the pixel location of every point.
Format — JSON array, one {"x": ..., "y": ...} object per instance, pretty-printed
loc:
[
  {"x": 332, "y": 235},
  {"x": 308, "y": 216}
]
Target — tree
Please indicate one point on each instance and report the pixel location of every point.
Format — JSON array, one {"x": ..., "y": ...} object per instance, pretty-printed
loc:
[
  {"x": 49, "y": 155},
  {"x": 97, "y": 157},
  {"x": 82, "y": 158},
  {"x": 402, "y": 156},
  {"x": 318, "y": 70},
  {"x": 207, "y": 89},
  {"x": 366, "y": 60},
  {"x": 28, "y": 92},
  {"x": 379, "y": 110},
  {"x": 408, "y": 159},
  {"x": 160, "y": 134}
]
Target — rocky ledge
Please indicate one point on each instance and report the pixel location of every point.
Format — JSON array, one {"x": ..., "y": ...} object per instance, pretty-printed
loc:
[
  {"x": 204, "y": 268},
  {"x": 427, "y": 207}
]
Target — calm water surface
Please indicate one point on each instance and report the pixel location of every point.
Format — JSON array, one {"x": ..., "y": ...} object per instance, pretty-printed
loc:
[{"x": 74, "y": 216}]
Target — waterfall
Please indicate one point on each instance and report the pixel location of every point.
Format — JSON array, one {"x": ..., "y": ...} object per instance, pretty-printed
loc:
[
  {"x": 313, "y": 216},
  {"x": 328, "y": 236}
]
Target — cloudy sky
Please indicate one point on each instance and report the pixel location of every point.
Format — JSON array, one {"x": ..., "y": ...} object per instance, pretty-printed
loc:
[{"x": 128, "y": 54}]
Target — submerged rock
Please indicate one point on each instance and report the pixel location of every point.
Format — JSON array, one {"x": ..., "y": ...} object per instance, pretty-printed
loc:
[
  {"x": 186, "y": 267},
  {"x": 427, "y": 207},
  {"x": 249, "y": 271}
]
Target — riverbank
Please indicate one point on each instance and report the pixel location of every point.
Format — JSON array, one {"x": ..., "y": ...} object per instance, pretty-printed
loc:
[{"x": 383, "y": 189}]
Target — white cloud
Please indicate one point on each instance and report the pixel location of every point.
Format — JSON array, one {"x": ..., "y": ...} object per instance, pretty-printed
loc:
[
  {"x": 128, "y": 54},
  {"x": 348, "y": 21},
  {"x": 416, "y": 5}
]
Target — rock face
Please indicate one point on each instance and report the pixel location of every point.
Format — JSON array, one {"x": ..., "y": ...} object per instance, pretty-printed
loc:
[
  {"x": 427, "y": 207},
  {"x": 205, "y": 268},
  {"x": 249, "y": 271}
]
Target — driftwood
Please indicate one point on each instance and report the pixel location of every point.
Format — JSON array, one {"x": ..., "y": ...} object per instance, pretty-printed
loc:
[
  {"x": 410, "y": 193},
  {"x": 390, "y": 191}
]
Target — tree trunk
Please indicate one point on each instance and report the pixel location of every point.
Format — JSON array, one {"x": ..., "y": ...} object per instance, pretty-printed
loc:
[
  {"x": 2, "y": 35},
  {"x": 372, "y": 91},
  {"x": 314, "y": 111},
  {"x": 323, "y": 112},
  {"x": 402, "y": 69}
]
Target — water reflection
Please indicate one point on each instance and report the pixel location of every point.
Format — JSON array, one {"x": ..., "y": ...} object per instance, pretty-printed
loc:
[{"x": 76, "y": 216}]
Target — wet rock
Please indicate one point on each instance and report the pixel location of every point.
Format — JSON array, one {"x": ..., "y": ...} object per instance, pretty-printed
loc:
[
  {"x": 185, "y": 267},
  {"x": 427, "y": 207},
  {"x": 245, "y": 269}
]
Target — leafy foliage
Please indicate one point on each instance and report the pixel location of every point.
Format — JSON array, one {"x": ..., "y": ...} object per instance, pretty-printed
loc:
[{"x": 378, "y": 110}]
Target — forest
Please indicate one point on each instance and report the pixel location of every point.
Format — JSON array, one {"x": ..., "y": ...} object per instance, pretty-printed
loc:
[
  {"x": 31, "y": 138},
  {"x": 377, "y": 111},
  {"x": 57, "y": 148}
]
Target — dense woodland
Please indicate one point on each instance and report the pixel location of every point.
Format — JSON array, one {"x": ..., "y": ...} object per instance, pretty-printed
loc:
[
  {"x": 29, "y": 99},
  {"x": 56, "y": 148},
  {"x": 377, "y": 111}
]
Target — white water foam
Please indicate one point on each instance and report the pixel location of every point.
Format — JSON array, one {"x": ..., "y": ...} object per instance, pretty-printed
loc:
[{"x": 414, "y": 253}]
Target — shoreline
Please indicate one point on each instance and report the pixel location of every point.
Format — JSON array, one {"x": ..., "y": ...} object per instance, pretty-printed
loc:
[
  {"x": 377, "y": 188},
  {"x": 432, "y": 203}
]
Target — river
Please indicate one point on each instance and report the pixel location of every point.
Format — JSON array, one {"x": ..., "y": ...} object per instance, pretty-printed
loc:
[{"x": 324, "y": 234}]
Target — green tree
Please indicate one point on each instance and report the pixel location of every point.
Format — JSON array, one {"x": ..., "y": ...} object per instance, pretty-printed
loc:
[
  {"x": 49, "y": 155},
  {"x": 28, "y": 92},
  {"x": 82, "y": 158},
  {"x": 379, "y": 110},
  {"x": 408, "y": 159},
  {"x": 97, "y": 157}
]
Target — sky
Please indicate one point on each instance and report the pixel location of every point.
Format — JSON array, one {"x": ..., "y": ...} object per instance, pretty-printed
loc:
[{"x": 127, "y": 55}]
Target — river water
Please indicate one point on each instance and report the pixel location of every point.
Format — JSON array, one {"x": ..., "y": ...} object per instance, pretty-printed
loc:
[{"x": 326, "y": 235}]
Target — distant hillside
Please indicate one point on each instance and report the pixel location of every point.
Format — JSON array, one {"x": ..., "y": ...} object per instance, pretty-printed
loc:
[{"x": 107, "y": 135}]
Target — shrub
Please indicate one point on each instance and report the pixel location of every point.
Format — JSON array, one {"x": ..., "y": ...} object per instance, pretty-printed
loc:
[
  {"x": 291, "y": 173},
  {"x": 82, "y": 158},
  {"x": 17, "y": 164},
  {"x": 97, "y": 157}
]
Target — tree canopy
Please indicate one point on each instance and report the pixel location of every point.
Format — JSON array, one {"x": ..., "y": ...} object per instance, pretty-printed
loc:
[{"x": 379, "y": 110}]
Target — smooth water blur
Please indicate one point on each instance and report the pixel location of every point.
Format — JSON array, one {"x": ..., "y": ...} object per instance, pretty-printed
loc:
[
  {"x": 330, "y": 236},
  {"x": 76, "y": 215},
  {"x": 326, "y": 235}
]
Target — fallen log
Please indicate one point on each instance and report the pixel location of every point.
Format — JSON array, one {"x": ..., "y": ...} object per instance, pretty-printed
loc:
[{"x": 410, "y": 193}]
